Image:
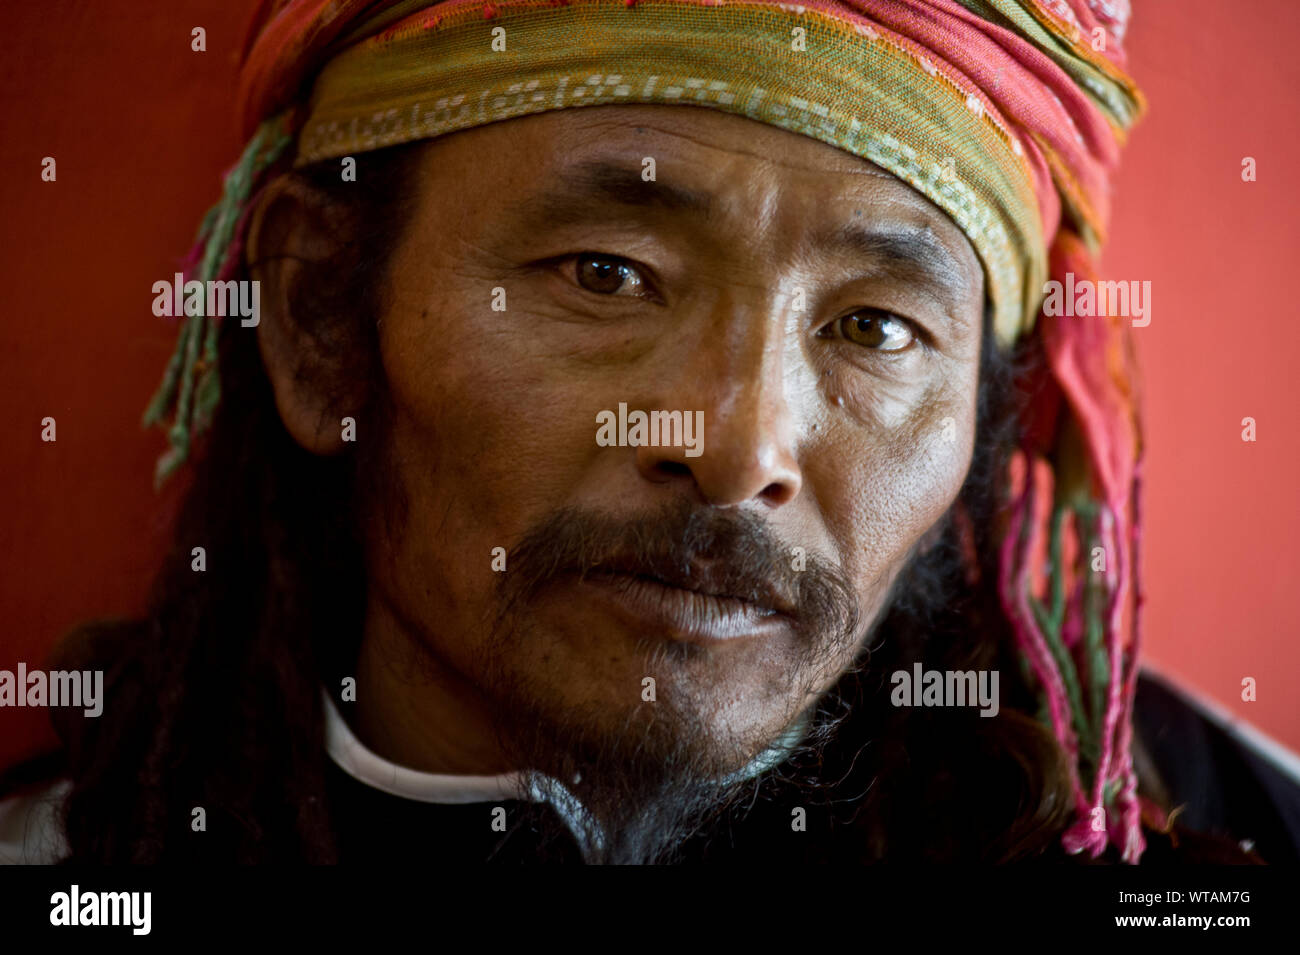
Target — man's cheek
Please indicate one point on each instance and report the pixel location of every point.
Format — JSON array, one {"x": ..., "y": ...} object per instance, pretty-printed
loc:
[
  {"x": 479, "y": 478},
  {"x": 896, "y": 491},
  {"x": 941, "y": 450},
  {"x": 479, "y": 397}
]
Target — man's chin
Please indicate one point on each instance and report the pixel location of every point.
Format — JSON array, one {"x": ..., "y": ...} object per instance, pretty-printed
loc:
[
  {"x": 676, "y": 723},
  {"x": 652, "y": 736},
  {"x": 644, "y": 777},
  {"x": 652, "y": 700}
]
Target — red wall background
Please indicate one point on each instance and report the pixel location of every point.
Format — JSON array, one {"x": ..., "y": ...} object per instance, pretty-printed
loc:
[{"x": 141, "y": 129}]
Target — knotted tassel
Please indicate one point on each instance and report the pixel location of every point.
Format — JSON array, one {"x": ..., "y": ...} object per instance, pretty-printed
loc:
[
  {"x": 190, "y": 388},
  {"x": 1085, "y": 667}
]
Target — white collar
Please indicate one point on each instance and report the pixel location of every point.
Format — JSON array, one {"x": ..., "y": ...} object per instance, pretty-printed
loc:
[
  {"x": 373, "y": 770},
  {"x": 368, "y": 767}
]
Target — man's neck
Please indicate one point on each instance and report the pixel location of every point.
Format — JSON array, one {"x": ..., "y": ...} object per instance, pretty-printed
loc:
[{"x": 413, "y": 709}]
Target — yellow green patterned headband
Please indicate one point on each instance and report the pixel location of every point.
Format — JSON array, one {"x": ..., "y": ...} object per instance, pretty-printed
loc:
[{"x": 836, "y": 81}]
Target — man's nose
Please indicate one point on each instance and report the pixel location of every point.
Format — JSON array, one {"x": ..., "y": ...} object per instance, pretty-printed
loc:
[{"x": 748, "y": 450}]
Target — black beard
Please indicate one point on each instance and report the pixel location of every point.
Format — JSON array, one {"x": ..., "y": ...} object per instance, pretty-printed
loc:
[
  {"x": 646, "y": 788},
  {"x": 649, "y": 810},
  {"x": 622, "y": 813}
]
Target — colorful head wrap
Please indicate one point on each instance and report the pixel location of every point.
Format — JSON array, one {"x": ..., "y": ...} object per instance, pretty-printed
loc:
[{"x": 1007, "y": 114}]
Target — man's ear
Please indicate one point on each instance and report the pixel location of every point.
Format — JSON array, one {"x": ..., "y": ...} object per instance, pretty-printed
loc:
[{"x": 311, "y": 359}]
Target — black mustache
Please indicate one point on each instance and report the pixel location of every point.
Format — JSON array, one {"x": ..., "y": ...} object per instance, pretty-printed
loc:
[{"x": 726, "y": 554}]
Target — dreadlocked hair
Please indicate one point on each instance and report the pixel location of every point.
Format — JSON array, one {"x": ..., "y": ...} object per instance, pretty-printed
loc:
[{"x": 213, "y": 698}]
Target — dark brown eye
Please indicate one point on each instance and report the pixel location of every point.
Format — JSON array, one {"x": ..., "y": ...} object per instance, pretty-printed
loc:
[
  {"x": 607, "y": 275},
  {"x": 875, "y": 329}
]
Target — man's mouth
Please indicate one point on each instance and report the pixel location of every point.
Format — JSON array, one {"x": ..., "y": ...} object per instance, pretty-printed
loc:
[{"x": 694, "y": 605}]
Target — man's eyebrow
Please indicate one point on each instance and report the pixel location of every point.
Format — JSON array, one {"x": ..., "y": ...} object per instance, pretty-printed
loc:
[
  {"x": 907, "y": 252},
  {"x": 581, "y": 191},
  {"x": 581, "y": 188}
]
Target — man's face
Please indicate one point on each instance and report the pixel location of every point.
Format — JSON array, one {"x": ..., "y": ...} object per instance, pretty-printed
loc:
[{"x": 818, "y": 316}]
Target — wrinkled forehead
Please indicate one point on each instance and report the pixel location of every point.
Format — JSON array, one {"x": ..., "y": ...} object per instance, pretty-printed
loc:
[{"x": 723, "y": 179}]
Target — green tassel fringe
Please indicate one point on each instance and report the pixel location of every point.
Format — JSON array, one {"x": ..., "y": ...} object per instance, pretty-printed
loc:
[{"x": 191, "y": 385}]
